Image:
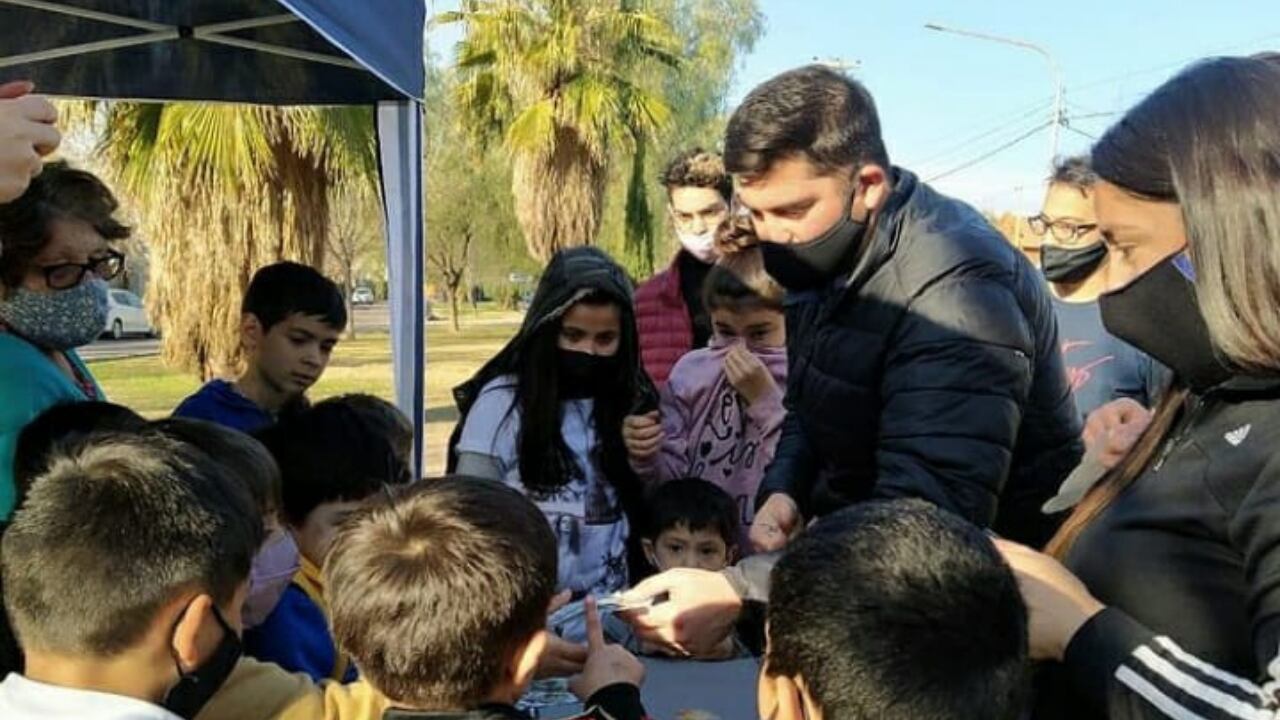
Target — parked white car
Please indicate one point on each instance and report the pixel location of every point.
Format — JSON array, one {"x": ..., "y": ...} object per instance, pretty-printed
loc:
[
  {"x": 125, "y": 315},
  {"x": 362, "y": 296}
]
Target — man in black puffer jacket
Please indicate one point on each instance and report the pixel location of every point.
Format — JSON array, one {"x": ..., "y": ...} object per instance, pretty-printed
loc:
[{"x": 924, "y": 357}]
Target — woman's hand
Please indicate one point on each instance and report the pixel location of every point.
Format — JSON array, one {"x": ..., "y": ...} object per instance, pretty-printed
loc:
[
  {"x": 1111, "y": 430},
  {"x": 1058, "y": 604},
  {"x": 27, "y": 133}
]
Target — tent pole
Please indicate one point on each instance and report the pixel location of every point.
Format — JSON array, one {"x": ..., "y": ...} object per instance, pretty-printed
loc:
[
  {"x": 87, "y": 48},
  {"x": 61, "y": 9}
]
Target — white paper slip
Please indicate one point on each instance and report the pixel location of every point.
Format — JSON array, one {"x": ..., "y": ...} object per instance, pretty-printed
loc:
[{"x": 1073, "y": 489}]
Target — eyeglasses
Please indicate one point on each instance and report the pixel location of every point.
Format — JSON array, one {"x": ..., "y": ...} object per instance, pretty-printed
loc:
[
  {"x": 65, "y": 276},
  {"x": 1062, "y": 230}
]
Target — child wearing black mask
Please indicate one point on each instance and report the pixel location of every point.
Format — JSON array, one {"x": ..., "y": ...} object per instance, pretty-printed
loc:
[
  {"x": 545, "y": 416},
  {"x": 131, "y": 611}
]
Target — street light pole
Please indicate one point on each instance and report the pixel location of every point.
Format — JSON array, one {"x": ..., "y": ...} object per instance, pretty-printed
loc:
[{"x": 1054, "y": 71}]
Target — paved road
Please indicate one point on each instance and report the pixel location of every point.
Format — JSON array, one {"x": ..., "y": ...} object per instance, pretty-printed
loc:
[
  {"x": 117, "y": 349},
  {"x": 374, "y": 318},
  {"x": 369, "y": 318}
]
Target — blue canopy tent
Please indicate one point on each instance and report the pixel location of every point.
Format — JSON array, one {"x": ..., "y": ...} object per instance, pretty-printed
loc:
[{"x": 276, "y": 52}]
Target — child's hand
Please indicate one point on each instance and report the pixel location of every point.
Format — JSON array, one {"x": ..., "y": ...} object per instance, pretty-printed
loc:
[
  {"x": 642, "y": 434},
  {"x": 561, "y": 658},
  {"x": 607, "y": 664},
  {"x": 748, "y": 375}
]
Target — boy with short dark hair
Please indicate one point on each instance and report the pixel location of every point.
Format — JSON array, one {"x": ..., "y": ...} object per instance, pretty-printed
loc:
[
  {"x": 894, "y": 610},
  {"x": 405, "y": 582},
  {"x": 291, "y": 319},
  {"x": 691, "y": 523},
  {"x": 332, "y": 459},
  {"x": 131, "y": 611},
  {"x": 61, "y": 427}
]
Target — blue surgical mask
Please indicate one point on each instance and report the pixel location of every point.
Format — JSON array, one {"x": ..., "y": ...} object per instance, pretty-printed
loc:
[{"x": 60, "y": 320}]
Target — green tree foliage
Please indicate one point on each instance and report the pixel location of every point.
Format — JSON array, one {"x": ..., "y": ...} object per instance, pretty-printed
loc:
[
  {"x": 221, "y": 190},
  {"x": 714, "y": 36},
  {"x": 565, "y": 84}
]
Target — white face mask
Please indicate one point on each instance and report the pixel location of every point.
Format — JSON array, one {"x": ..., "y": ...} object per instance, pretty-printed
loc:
[{"x": 700, "y": 245}]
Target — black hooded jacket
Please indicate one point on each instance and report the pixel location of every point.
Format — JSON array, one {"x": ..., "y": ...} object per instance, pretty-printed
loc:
[
  {"x": 935, "y": 372},
  {"x": 570, "y": 276}
]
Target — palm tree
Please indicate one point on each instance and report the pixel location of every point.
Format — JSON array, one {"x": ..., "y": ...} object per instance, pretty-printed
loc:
[
  {"x": 220, "y": 190},
  {"x": 562, "y": 83}
]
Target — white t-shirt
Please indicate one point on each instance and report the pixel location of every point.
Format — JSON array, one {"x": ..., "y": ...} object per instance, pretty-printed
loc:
[
  {"x": 585, "y": 515},
  {"x": 23, "y": 699}
]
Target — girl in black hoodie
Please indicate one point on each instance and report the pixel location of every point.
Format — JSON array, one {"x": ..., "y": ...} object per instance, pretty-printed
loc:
[{"x": 545, "y": 416}]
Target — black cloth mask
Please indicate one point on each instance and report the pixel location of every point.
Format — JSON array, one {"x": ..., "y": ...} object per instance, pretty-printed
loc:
[
  {"x": 583, "y": 375},
  {"x": 1158, "y": 314},
  {"x": 810, "y": 265},
  {"x": 194, "y": 688},
  {"x": 1069, "y": 265}
]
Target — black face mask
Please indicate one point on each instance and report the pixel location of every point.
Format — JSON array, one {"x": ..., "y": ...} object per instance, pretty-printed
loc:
[
  {"x": 1069, "y": 265},
  {"x": 194, "y": 688},
  {"x": 805, "y": 266},
  {"x": 583, "y": 375},
  {"x": 1158, "y": 314}
]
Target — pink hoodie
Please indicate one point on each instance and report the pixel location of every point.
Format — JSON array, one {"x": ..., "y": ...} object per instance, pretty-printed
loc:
[{"x": 711, "y": 434}]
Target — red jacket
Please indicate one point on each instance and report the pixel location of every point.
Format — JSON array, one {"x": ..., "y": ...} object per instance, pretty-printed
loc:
[{"x": 666, "y": 330}]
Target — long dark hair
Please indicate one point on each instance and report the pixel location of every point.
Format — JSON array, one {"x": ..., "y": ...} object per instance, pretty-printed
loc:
[
  {"x": 546, "y": 463},
  {"x": 1209, "y": 140}
]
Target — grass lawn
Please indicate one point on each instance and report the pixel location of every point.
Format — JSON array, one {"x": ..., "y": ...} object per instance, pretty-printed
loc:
[{"x": 359, "y": 365}]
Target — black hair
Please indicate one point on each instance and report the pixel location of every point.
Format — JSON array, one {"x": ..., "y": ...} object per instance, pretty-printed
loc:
[
  {"x": 1075, "y": 171},
  {"x": 60, "y": 428},
  {"x": 897, "y": 610},
  {"x": 114, "y": 530},
  {"x": 546, "y": 463},
  {"x": 383, "y": 417},
  {"x": 328, "y": 453},
  {"x": 287, "y": 288},
  {"x": 695, "y": 504},
  {"x": 59, "y": 192},
  {"x": 1223, "y": 169},
  {"x": 814, "y": 112},
  {"x": 245, "y": 458}
]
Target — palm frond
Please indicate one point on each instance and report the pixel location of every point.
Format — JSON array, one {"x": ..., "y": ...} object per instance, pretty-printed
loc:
[{"x": 533, "y": 130}]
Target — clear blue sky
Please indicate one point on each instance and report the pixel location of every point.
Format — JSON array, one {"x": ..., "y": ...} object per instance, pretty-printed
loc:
[{"x": 945, "y": 100}]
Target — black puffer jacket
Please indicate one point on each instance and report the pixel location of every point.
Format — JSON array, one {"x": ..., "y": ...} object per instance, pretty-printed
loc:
[{"x": 934, "y": 373}]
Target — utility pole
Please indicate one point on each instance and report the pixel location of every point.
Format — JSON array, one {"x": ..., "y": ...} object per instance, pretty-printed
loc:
[{"x": 1058, "y": 119}]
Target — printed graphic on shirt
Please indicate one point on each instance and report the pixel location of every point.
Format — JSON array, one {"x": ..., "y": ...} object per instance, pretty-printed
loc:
[
  {"x": 1081, "y": 374},
  {"x": 721, "y": 449}
]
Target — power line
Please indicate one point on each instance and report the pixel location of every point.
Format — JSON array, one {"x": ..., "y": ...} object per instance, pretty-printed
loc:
[
  {"x": 1041, "y": 105},
  {"x": 990, "y": 153},
  {"x": 1081, "y": 132},
  {"x": 1003, "y": 127},
  {"x": 1170, "y": 65}
]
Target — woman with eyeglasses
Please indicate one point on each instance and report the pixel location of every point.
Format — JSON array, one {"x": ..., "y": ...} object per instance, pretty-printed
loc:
[
  {"x": 1176, "y": 609},
  {"x": 57, "y": 260}
]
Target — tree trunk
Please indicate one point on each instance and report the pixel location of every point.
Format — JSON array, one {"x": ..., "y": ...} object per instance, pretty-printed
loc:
[
  {"x": 559, "y": 198},
  {"x": 349, "y": 280},
  {"x": 455, "y": 306}
]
